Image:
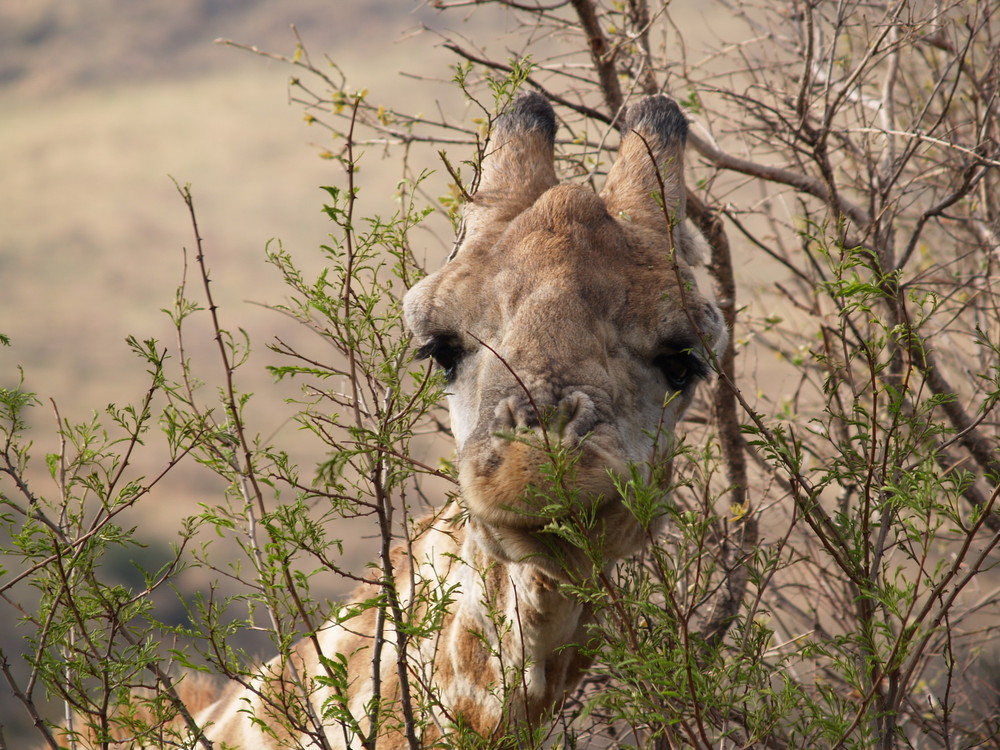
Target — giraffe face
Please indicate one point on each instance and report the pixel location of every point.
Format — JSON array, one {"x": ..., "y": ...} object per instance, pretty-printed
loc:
[{"x": 568, "y": 323}]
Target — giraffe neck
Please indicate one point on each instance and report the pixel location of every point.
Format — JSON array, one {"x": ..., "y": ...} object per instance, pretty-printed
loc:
[
  {"x": 499, "y": 663},
  {"x": 509, "y": 655}
]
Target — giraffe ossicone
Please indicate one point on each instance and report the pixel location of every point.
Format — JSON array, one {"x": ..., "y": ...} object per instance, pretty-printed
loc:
[{"x": 567, "y": 323}]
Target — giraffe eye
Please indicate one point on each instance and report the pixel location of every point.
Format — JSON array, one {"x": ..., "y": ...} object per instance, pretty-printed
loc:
[
  {"x": 446, "y": 352},
  {"x": 679, "y": 367}
]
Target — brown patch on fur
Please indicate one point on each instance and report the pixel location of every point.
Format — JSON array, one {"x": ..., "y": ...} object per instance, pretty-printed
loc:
[
  {"x": 497, "y": 584},
  {"x": 358, "y": 646},
  {"x": 198, "y": 691},
  {"x": 470, "y": 654}
]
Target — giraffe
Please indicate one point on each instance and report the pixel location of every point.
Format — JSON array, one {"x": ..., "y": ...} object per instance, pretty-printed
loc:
[{"x": 566, "y": 321}]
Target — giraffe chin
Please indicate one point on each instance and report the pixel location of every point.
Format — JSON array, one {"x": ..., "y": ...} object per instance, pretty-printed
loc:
[{"x": 519, "y": 494}]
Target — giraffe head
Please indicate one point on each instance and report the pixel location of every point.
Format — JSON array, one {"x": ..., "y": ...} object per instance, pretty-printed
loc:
[{"x": 569, "y": 321}]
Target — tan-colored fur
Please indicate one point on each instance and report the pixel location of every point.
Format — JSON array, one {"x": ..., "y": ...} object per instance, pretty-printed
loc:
[{"x": 566, "y": 319}]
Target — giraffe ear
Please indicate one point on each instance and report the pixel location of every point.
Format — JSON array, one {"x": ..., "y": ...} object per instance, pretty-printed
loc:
[
  {"x": 646, "y": 183},
  {"x": 518, "y": 165}
]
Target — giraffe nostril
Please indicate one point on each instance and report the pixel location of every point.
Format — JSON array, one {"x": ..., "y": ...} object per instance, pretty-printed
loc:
[
  {"x": 570, "y": 409},
  {"x": 577, "y": 416},
  {"x": 505, "y": 415}
]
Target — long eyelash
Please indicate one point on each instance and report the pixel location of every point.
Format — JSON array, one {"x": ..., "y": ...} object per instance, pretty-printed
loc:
[
  {"x": 446, "y": 351},
  {"x": 426, "y": 350},
  {"x": 680, "y": 366}
]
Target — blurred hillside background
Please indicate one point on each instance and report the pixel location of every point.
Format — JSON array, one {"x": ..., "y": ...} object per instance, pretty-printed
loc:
[{"x": 102, "y": 103}]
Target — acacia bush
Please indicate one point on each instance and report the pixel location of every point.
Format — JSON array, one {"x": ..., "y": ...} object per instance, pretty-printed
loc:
[{"x": 825, "y": 577}]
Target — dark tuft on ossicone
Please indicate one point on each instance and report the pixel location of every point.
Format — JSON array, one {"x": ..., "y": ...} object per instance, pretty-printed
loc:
[
  {"x": 530, "y": 111},
  {"x": 658, "y": 114}
]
